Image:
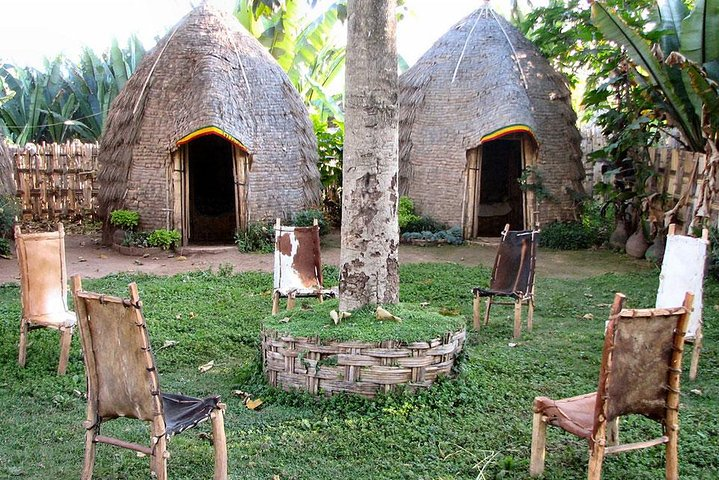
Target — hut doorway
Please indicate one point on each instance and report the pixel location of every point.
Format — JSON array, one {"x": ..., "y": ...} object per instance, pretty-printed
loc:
[
  {"x": 215, "y": 173},
  {"x": 494, "y": 197}
]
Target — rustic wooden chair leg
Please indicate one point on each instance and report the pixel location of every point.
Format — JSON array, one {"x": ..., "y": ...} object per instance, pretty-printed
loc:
[
  {"x": 613, "y": 432},
  {"x": 476, "y": 305},
  {"x": 320, "y": 298},
  {"x": 22, "y": 351},
  {"x": 596, "y": 458},
  {"x": 89, "y": 462},
  {"x": 539, "y": 444},
  {"x": 275, "y": 302},
  {"x": 65, "y": 342},
  {"x": 517, "y": 318},
  {"x": 290, "y": 301},
  {"x": 672, "y": 454},
  {"x": 158, "y": 459},
  {"x": 219, "y": 441},
  {"x": 486, "y": 310},
  {"x": 530, "y": 314},
  {"x": 694, "y": 368}
]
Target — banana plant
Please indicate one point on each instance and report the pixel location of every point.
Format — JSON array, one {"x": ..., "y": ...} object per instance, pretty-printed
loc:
[{"x": 688, "y": 34}]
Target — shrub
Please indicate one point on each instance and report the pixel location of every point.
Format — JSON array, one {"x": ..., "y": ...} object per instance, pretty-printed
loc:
[
  {"x": 452, "y": 236},
  {"x": 4, "y": 247},
  {"x": 165, "y": 239},
  {"x": 259, "y": 237},
  {"x": 9, "y": 209},
  {"x": 423, "y": 224},
  {"x": 713, "y": 253},
  {"x": 405, "y": 212},
  {"x": 136, "y": 239},
  {"x": 565, "y": 236},
  {"x": 125, "y": 219},
  {"x": 305, "y": 218}
]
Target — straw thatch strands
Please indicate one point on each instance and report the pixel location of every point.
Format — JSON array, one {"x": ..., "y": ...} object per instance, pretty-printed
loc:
[
  {"x": 479, "y": 109},
  {"x": 208, "y": 135}
]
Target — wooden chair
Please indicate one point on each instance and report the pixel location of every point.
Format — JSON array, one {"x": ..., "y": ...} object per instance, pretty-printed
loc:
[
  {"x": 298, "y": 267},
  {"x": 639, "y": 374},
  {"x": 683, "y": 269},
  {"x": 122, "y": 381},
  {"x": 43, "y": 289},
  {"x": 512, "y": 276}
]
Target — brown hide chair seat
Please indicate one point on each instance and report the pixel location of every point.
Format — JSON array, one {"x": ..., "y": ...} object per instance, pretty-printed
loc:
[
  {"x": 43, "y": 289},
  {"x": 122, "y": 381},
  {"x": 639, "y": 374},
  {"x": 512, "y": 277},
  {"x": 298, "y": 265}
]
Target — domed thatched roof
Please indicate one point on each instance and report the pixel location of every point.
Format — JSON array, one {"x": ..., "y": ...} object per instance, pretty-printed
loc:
[
  {"x": 480, "y": 80},
  {"x": 209, "y": 72}
]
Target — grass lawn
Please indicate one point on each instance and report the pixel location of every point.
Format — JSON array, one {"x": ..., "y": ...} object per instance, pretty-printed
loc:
[{"x": 475, "y": 426}]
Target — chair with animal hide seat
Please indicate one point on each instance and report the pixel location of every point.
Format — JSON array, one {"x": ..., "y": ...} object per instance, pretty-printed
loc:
[
  {"x": 122, "y": 381},
  {"x": 43, "y": 289},
  {"x": 639, "y": 374},
  {"x": 298, "y": 266},
  {"x": 683, "y": 269},
  {"x": 512, "y": 277}
]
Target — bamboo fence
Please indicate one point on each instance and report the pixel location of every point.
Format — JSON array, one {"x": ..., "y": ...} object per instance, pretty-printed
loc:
[{"x": 56, "y": 180}]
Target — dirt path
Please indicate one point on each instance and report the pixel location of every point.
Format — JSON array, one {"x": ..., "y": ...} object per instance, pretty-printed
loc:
[{"x": 86, "y": 257}]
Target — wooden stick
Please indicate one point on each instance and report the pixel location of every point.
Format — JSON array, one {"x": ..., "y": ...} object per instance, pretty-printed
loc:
[
  {"x": 694, "y": 368},
  {"x": 517, "y": 318},
  {"x": 219, "y": 442},
  {"x": 275, "y": 302},
  {"x": 476, "y": 305},
  {"x": 123, "y": 444},
  {"x": 65, "y": 342},
  {"x": 539, "y": 444},
  {"x": 636, "y": 446},
  {"x": 89, "y": 462}
]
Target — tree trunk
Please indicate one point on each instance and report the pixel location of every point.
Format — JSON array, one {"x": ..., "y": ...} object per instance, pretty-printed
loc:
[
  {"x": 7, "y": 184},
  {"x": 369, "y": 270}
]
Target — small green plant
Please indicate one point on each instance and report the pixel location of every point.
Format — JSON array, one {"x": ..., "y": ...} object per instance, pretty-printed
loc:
[
  {"x": 425, "y": 224},
  {"x": 405, "y": 212},
  {"x": 259, "y": 237},
  {"x": 452, "y": 236},
  {"x": 531, "y": 180},
  {"x": 165, "y": 239},
  {"x": 9, "y": 209},
  {"x": 125, "y": 219},
  {"x": 713, "y": 253},
  {"x": 565, "y": 236},
  {"x": 306, "y": 218},
  {"x": 136, "y": 239},
  {"x": 4, "y": 247}
]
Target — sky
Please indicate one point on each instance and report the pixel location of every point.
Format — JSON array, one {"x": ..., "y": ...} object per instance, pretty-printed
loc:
[{"x": 34, "y": 29}]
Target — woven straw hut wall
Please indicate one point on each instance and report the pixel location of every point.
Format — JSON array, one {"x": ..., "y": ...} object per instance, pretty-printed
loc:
[
  {"x": 478, "y": 82},
  {"x": 207, "y": 72}
]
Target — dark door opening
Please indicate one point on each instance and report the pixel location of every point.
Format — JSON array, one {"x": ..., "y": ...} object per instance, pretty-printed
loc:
[
  {"x": 499, "y": 198},
  {"x": 212, "y": 209}
]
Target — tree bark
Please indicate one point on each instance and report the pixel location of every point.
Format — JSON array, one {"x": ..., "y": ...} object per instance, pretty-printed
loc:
[
  {"x": 7, "y": 184},
  {"x": 369, "y": 269}
]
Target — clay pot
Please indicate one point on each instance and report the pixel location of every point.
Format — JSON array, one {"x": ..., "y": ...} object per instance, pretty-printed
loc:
[
  {"x": 655, "y": 253},
  {"x": 618, "y": 238},
  {"x": 637, "y": 245}
]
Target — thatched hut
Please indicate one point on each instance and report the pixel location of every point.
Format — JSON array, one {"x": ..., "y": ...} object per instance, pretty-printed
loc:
[
  {"x": 7, "y": 184},
  {"x": 208, "y": 135},
  {"x": 480, "y": 110}
]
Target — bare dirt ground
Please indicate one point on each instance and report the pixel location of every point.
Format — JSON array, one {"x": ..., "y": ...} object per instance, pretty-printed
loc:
[{"x": 87, "y": 257}]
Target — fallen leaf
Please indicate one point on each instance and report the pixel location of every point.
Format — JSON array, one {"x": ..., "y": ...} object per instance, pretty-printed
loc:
[
  {"x": 512, "y": 345},
  {"x": 178, "y": 316},
  {"x": 192, "y": 315},
  {"x": 253, "y": 404},
  {"x": 181, "y": 258},
  {"x": 424, "y": 304},
  {"x": 382, "y": 314},
  {"x": 285, "y": 320},
  {"x": 696, "y": 391},
  {"x": 81, "y": 259},
  {"x": 338, "y": 317},
  {"x": 168, "y": 344},
  {"x": 206, "y": 367},
  {"x": 588, "y": 316},
  {"x": 102, "y": 255},
  {"x": 588, "y": 295},
  {"x": 140, "y": 454}
]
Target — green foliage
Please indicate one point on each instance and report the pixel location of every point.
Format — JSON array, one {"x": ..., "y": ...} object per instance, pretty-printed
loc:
[
  {"x": 259, "y": 237},
  {"x": 424, "y": 224},
  {"x": 9, "y": 209},
  {"x": 592, "y": 230},
  {"x": 306, "y": 218},
  {"x": 713, "y": 253},
  {"x": 452, "y": 236},
  {"x": 165, "y": 239},
  {"x": 136, "y": 239},
  {"x": 405, "y": 212},
  {"x": 531, "y": 180},
  {"x": 4, "y": 247},
  {"x": 478, "y": 423},
  {"x": 418, "y": 324},
  {"x": 125, "y": 219},
  {"x": 330, "y": 144}
]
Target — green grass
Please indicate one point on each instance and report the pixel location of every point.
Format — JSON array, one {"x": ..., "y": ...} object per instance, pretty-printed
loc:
[{"x": 475, "y": 426}]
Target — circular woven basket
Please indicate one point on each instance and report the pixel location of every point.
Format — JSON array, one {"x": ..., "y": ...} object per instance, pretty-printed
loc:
[{"x": 365, "y": 368}]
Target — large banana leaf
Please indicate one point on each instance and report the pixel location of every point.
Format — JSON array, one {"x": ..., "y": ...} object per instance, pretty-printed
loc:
[
  {"x": 700, "y": 36},
  {"x": 670, "y": 14},
  {"x": 639, "y": 50}
]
